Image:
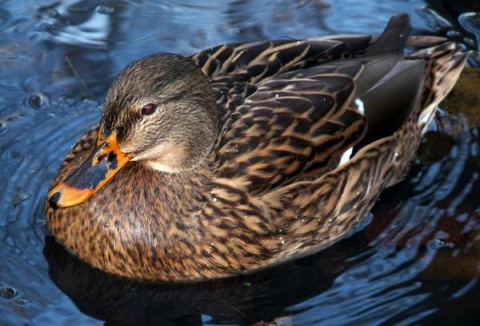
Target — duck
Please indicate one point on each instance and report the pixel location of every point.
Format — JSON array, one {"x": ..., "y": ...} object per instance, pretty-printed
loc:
[{"x": 243, "y": 156}]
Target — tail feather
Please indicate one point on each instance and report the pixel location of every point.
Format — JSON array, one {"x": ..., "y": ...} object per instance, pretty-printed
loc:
[
  {"x": 393, "y": 38},
  {"x": 444, "y": 63}
]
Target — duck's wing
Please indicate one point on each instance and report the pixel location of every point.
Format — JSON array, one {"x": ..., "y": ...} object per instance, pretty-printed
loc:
[
  {"x": 293, "y": 126},
  {"x": 287, "y": 108},
  {"x": 236, "y": 69},
  {"x": 281, "y": 115}
]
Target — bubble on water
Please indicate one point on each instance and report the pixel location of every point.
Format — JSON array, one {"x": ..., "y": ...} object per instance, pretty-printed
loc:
[
  {"x": 7, "y": 292},
  {"x": 38, "y": 101}
]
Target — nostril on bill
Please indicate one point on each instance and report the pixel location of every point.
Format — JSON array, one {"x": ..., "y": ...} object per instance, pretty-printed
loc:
[
  {"x": 100, "y": 158},
  {"x": 53, "y": 200}
]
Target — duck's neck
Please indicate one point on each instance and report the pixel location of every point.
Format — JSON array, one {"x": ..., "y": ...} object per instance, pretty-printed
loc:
[
  {"x": 174, "y": 194},
  {"x": 186, "y": 188}
]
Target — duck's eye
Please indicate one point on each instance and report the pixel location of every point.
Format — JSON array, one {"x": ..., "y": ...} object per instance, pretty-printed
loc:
[{"x": 149, "y": 109}]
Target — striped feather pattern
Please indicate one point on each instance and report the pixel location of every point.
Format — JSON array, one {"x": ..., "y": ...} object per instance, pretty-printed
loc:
[{"x": 272, "y": 187}]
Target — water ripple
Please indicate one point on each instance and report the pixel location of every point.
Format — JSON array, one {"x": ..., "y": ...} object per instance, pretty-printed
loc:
[
  {"x": 385, "y": 287},
  {"x": 415, "y": 262},
  {"x": 30, "y": 153},
  {"x": 92, "y": 30}
]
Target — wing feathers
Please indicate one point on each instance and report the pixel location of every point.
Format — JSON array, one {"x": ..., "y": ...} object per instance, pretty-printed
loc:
[{"x": 288, "y": 109}]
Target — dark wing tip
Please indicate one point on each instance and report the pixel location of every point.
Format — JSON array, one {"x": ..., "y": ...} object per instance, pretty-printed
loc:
[{"x": 394, "y": 37}]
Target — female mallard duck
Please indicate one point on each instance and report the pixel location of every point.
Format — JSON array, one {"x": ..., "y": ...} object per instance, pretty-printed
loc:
[{"x": 246, "y": 155}]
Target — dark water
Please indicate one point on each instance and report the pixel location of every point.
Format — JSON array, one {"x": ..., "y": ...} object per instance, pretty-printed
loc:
[{"x": 416, "y": 262}]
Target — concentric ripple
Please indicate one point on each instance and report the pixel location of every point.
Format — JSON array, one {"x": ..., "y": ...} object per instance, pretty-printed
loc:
[
  {"x": 416, "y": 262},
  {"x": 32, "y": 146}
]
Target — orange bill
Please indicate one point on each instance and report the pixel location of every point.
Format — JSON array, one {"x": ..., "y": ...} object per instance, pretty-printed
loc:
[{"x": 105, "y": 161}]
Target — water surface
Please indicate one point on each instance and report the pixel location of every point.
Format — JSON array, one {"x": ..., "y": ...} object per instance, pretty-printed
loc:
[{"x": 416, "y": 261}]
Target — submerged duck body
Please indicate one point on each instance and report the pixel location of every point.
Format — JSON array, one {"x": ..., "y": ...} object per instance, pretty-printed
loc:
[{"x": 245, "y": 155}]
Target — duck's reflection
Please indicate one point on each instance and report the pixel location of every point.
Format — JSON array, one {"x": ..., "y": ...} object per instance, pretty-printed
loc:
[{"x": 262, "y": 296}]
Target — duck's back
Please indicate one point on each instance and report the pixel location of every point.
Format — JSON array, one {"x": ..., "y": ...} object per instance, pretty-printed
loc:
[{"x": 294, "y": 110}]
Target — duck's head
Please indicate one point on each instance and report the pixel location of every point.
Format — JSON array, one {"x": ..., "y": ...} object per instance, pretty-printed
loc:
[{"x": 160, "y": 111}]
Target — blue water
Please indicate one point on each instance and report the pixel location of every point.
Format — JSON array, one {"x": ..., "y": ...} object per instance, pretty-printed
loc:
[{"x": 416, "y": 262}]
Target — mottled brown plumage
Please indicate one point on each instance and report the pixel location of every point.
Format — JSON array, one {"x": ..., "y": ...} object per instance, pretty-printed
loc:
[{"x": 303, "y": 137}]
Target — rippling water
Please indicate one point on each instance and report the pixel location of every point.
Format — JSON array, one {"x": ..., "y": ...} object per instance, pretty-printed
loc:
[{"x": 417, "y": 260}]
